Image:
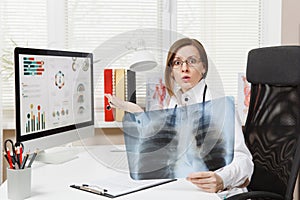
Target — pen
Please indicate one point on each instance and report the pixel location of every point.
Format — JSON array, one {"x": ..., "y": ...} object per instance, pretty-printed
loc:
[
  {"x": 9, "y": 158},
  {"x": 13, "y": 160},
  {"x": 24, "y": 161},
  {"x": 32, "y": 159},
  {"x": 21, "y": 154},
  {"x": 17, "y": 157},
  {"x": 6, "y": 157}
]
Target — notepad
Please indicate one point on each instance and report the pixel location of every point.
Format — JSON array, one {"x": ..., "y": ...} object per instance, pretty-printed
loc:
[{"x": 121, "y": 184}]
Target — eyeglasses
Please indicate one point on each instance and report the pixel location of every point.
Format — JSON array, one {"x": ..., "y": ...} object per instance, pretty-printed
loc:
[{"x": 191, "y": 61}]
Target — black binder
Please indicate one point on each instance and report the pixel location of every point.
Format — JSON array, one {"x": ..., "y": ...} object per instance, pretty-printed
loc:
[{"x": 131, "y": 86}]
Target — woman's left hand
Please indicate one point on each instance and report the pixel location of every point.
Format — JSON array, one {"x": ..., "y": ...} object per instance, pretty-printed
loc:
[{"x": 207, "y": 181}]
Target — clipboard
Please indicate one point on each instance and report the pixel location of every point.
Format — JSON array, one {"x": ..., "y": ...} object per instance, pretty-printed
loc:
[{"x": 114, "y": 189}]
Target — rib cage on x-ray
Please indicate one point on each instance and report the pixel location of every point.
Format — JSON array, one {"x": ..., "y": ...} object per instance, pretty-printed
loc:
[{"x": 175, "y": 142}]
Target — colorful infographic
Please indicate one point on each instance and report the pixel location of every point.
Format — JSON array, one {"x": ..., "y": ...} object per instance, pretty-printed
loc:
[
  {"x": 53, "y": 94},
  {"x": 32, "y": 66},
  {"x": 35, "y": 119}
]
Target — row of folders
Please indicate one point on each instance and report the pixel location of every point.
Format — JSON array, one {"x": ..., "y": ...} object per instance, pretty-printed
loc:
[{"x": 122, "y": 83}]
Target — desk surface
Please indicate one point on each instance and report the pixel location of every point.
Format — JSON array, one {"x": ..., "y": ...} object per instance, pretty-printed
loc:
[{"x": 50, "y": 181}]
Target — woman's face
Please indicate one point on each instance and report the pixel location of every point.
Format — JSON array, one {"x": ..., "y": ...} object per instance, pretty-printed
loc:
[{"x": 187, "y": 68}]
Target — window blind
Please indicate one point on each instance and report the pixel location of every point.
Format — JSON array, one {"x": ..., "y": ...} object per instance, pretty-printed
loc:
[
  {"x": 22, "y": 23},
  {"x": 108, "y": 27},
  {"x": 228, "y": 30}
]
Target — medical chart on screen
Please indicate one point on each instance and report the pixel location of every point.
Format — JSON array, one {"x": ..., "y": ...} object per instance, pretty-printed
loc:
[
  {"x": 172, "y": 143},
  {"x": 55, "y": 92}
]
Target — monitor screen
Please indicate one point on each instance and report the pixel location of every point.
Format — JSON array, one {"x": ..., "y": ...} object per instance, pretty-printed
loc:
[{"x": 54, "y": 97}]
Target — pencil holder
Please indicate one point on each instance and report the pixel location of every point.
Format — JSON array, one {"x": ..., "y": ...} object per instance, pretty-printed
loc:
[{"x": 18, "y": 183}]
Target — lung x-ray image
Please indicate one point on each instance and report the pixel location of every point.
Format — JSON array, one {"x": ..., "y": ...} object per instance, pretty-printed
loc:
[{"x": 172, "y": 143}]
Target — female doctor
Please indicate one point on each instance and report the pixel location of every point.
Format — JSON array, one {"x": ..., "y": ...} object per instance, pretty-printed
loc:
[{"x": 187, "y": 65}]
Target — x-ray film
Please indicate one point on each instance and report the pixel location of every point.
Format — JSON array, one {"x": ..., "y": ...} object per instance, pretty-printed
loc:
[{"x": 172, "y": 143}]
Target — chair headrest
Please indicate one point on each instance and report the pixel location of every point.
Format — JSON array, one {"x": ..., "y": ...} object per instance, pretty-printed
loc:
[{"x": 278, "y": 65}]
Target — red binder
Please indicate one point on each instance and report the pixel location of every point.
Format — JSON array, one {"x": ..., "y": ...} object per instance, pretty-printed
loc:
[{"x": 108, "y": 89}]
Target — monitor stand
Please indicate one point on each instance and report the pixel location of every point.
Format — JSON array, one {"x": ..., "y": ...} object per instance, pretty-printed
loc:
[{"x": 57, "y": 155}]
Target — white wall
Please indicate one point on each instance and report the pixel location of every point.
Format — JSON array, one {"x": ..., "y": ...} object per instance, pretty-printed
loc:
[
  {"x": 271, "y": 27},
  {"x": 290, "y": 34}
]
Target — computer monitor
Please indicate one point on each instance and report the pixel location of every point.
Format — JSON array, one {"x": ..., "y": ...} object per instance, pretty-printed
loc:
[{"x": 54, "y": 97}]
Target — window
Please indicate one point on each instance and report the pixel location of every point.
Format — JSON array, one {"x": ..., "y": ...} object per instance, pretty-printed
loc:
[
  {"x": 111, "y": 27},
  {"x": 227, "y": 29},
  {"x": 22, "y": 23}
]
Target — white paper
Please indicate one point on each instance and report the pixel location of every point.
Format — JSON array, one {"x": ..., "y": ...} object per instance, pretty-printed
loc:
[{"x": 122, "y": 183}]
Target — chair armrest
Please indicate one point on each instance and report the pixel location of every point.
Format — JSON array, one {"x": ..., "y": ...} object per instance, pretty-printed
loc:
[{"x": 255, "y": 195}]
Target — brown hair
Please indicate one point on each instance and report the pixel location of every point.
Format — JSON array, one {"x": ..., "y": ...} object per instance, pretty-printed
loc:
[{"x": 171, "y": 54}]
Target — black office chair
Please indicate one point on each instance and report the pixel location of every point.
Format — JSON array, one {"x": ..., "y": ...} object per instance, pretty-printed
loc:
[{"x": 272, "y": 128}]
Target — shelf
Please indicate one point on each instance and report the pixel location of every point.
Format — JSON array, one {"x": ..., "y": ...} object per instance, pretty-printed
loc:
[{"x": 102, "y": 124}]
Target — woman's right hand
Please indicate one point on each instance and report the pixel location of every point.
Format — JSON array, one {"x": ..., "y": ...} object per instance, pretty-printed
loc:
[{"x": 116, "y": 102}]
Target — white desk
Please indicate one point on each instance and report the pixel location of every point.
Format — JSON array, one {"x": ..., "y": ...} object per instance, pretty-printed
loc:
[{"x": 51, "y": 181}]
